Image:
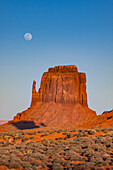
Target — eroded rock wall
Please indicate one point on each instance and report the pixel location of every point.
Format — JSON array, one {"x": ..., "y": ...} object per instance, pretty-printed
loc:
[
  {"x": 61, "y": 84},
  {"x": 61, "y": 98}
]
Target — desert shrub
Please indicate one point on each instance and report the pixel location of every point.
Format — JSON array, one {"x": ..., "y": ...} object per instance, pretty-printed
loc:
[
  {"x": 99, "y": 168},
  {"x": 99, "y": 165},
  {"x": 65, "y": 130},
  {"x": 51, "y": 154},
  {"x": 25, "y": 158},
  {"x": 2, "y": 143},
  {"x": 25, "y": 139},
  {"x": 23, "y": 150},
  {"x": 60, "y": 138},
  {"x": 45, "y": 134},
  {"x": 77, "y": 149},
  {"x": 44, "y": 141},
  {"x": 38, "y": 149},
  {"x": 17, "y": 137},
  {"x": 98, "y": 130},
  {"x": 74, "y": 130},
  {"x": 59, "y": 131},
  {"x": 41, "y": 131},
  {"x": 89, "y": 165},
  {"x": 111, "y": 161},
  {"x": 32, "y": 161},
  {"x": 111, "y": 134},
  {"x": 32, "y": 133},
  {"x": 70, "y": 135},
  {"x": 82, "y": 134},
  {"x": 65, "y": 138},
  {"x": 56, "y": 160},
  {"x": 5, "y": 156},
  {"x": 52, "y": 141},
  {"x": 16, "y": 152},
  {"x": 97, "y": 160},
  {"x": 107, "y": 160},
  {"x": 38, "y": 156},
  {"x": 75, "y": 134},
  {"x": 75, "y": 158},
  {"x": 18, "y": 146},
  {"x": 40, "y": 164},
  {"x": 15, "y": 158},
  {"x": 81, "y": 130},
  {"x": 6, "y": 143},
  {"x": 110, "y": 128},
  {"x": 87, "y": 153},
  {"x": 66, "y": 133},
  {"x": 50, "y": 132},
  {"x": 6, "y": 137},
  {"x": 91, "y": 131},
  {"x": 67, "y": 164},
  {"x": 56, "y": 166},
  {"x": 28, "y": 168},
  {"x": 14, "y": 164},
  {"x": 105, "y": 131},
  {"x": 95, "y": 147},
  {"x": 24, "y": 132},
  {"x": 4, "y": 162},
  {"x": 84, "y": 145},
  {"x": 34, "y": 167},
  {"x": 32, "y": 137},
  {"x": 25, "y": 164},
  {"x": 107, "y": 141},
  {"x": 98, "y": 140},
  {"x": 79, "y": 166}
]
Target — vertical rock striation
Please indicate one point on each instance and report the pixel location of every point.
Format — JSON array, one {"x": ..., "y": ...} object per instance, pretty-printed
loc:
[{"x": 61, "y": 84}]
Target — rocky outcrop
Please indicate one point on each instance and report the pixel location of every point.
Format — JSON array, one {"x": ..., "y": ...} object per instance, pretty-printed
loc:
[
  {"x": 61, "y": 98},
  {"x": 61, "y": 84}
]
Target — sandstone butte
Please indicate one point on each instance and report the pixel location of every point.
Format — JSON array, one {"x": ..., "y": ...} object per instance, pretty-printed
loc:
[{"x": 60, "y": 100}]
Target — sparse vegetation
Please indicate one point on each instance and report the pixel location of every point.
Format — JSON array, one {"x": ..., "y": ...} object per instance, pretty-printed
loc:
[{"x": 72, "y": 151}]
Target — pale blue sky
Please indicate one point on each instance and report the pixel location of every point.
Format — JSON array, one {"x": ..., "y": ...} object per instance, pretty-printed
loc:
[{"x": 74, "y": 32}]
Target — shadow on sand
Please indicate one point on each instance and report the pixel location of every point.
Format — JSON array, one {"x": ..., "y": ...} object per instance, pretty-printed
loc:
[{"x": 25, "y": 125}]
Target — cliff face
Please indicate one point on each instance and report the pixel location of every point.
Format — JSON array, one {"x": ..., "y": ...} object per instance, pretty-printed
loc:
[
  {"x": 61, "y": 84},
  {"x": 61, "y": 98}
]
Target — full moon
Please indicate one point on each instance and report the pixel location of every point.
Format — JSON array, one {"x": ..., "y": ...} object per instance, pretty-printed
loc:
[{"x": 28, "y": 36}]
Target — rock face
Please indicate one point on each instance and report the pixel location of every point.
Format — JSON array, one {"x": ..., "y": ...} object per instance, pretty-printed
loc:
[
  {"x": 61, "y": 98},
  {"x": 61, "y": 84}
]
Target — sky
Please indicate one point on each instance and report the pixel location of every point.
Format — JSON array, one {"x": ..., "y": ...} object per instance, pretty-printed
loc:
[{"x": 76, "y": 32}]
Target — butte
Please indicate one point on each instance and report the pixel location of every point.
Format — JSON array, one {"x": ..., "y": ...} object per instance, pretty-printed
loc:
[{"x": 60, "y": 100}]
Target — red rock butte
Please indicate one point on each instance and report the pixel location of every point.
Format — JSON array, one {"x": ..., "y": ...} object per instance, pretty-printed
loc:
[{"x": 61, "y": 98}]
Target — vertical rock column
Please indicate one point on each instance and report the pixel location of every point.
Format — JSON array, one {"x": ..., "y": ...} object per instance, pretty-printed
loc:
[
  {"x": 35, "y": 94},
  {"x": 82, "y": 89}
]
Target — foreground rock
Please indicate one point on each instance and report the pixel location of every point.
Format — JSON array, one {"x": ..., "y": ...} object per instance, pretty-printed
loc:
[{"x": 61, "y": 98}]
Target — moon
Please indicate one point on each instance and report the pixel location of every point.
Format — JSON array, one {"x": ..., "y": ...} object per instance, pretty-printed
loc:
[{"x": 28, "y": 36}]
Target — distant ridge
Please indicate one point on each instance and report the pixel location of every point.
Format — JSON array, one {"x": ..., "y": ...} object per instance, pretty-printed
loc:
[{"x": 3, "y": 121}]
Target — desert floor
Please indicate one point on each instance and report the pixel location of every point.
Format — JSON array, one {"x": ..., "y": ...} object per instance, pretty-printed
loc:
[{"x": 36, "y": 149}]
